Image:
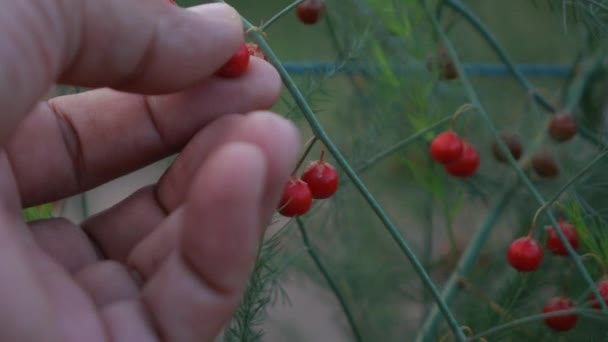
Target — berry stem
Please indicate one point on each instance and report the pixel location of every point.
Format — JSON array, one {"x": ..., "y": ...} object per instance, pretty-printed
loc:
[
  {"x": 277, "y": 16},
  {"x": 320, "y": 133},
  {"x": 567, "y": 276},
  {"x": 309, "y": 145},
  {"x": 597, "y": 259},
  {"x": 325, "y": 273},
  {"x": 462, "y": 109},
  {"x": 536, "y": 214}
]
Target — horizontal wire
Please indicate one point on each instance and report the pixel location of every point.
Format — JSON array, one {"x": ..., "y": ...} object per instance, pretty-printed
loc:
[{"x": 475, "y": 69}]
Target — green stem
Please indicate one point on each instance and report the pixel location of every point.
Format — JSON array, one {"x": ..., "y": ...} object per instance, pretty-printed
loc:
[
  {"x": 576, "y": 177},
  {"x": 529, "y": 319},
  {"x": 315, "y": 258},
  {"x": 309, "y": 146},
  {"x": 341, "y": 160},
  {"x": 520, "y": 173},
  {"x": 466, "y": 262},
  {"x": 277, "y": 16},
  {"x": 459, "y": 7},
  {"x": 578, "y": 85},
  {"x": 399, "y": 145}
]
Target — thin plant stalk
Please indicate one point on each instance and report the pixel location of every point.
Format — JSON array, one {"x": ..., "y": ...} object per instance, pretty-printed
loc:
[
  {"x": 466, "y": 262},
  {"x": 341, "y": 160},
  {"x": 325, "y": 273},
  {"x": 281, "y": 13}
]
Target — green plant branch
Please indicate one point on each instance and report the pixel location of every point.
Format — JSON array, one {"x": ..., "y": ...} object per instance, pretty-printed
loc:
[
  {"x": 401, "y": 144},
  {"x": 277, "y": 16},
  {"x": 532, "y": 318},
  {"x": 315, "y": 258},
  {"x": 520, "y": 173},
  {"x": 341, "y": 160},
  {"x": 466, "y": 262},
  {"x": 460, "y": 8}
]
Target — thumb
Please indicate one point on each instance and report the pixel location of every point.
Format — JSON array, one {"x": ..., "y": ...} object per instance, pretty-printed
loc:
[{"x": 146, "y": 46}]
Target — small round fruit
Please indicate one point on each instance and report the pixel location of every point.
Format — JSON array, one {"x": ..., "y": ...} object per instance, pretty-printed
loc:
[
  {"x": 467, "y": 165},
  {"x": 254, "y": 50},
  {"x": 555, "y": 245},
  {"x": 447, "y": 70},
  {"x": 237, "y": 65},
  {"x": 322, "y": 179},
  {"x": 310, "y": 11},
  {"x": 297, "y": 198},
  {"x": 544, "y": 165},
  {"x": 513, "y": 144},
  {"x": 447, "y": 147},
  {"x": 525, "y": 254},
  {"x": 562, "y": 127},
  {"x": 563, "y": 322},
  {"x": 602, "y": 287}
]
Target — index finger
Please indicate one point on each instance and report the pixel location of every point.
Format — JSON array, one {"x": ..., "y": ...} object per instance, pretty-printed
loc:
[{"x": 138, "y": 46}]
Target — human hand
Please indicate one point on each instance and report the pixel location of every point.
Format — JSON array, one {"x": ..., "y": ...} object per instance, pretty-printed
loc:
[{"x": 191, "y": 238}]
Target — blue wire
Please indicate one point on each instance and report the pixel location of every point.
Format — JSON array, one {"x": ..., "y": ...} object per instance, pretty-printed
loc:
[{"x": 480, "y": 69}]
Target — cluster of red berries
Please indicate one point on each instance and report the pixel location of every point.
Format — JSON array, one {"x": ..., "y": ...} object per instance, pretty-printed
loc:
[
  {"x": 525, "y": 254},
  {"x": 310, "y": 11},
  {"x": 319, "y": 181},
  {"x": 567, "y": 321},
  {"x": 459, "y": 158}
]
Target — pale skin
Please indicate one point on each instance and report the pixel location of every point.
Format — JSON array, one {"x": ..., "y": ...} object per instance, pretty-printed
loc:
[{"x": 170, "y": 262}]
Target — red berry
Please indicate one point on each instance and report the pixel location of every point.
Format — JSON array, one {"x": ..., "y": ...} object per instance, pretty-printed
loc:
[
  {"x": 447, "y": 69},
  {"x": 562, "y": 127},
  {"x": 544, "y": 165},
  {"x": 555, "y": 245},
  {"x": 322, "y": 179},
  {"x": 563, "y": 322},
  {"x": 525, "y": 254},
  {"x": 310, "y": 11},
  {"x": 467, "y": 165},
  {"x": 602, "y": 287},
  {"x": 254, "y": 50},
  {"x": 447, "y": 147},
  {"x": 296, "y": 199},
  {"x": 237, "y": 65},
  {"x": 513, "y": 144}
]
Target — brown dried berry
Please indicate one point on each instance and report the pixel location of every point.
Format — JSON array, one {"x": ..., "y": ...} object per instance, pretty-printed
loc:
[
  {"x": 513, "y": 143},
  {"x": 447, "y": 70},
  {"x": 544, "y": 165},
  {"x": 562, "y": 127}
]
